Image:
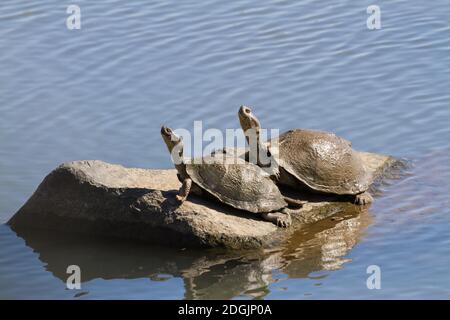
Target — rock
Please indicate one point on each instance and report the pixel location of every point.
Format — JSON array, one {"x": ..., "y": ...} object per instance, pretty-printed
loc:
[{"x": 97, "y": 198}]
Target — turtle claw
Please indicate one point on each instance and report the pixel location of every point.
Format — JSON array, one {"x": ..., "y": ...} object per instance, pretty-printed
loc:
[
  {"x": 284, "y": 220},
  {"x": 363, "y": 198},
  {"x": 281, "y": 223}
]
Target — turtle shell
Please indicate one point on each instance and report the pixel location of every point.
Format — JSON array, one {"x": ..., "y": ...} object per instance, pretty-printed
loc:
[
  {"x": 237, "y": 183},
  {"x": 322, "y": 161}
]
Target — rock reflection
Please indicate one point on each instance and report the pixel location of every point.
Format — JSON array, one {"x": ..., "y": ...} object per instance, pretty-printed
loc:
[{"x": 207, "y": 274}]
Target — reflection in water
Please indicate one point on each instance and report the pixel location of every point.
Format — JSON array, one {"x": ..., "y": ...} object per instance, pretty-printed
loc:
[{"x": 207, "y": 274}]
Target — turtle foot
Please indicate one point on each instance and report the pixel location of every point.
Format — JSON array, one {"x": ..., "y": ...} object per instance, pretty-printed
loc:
[
  {"x": 180, "y": 199},
  {"x": 282, "y": 220},
  {"x": 363, "y": 198}
]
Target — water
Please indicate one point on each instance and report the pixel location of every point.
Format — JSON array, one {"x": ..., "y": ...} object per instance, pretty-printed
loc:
[{"x": 103, "y": 92}]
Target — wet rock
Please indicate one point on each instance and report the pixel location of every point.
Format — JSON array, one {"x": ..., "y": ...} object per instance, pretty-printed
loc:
[{"x": 98, "y": 198}]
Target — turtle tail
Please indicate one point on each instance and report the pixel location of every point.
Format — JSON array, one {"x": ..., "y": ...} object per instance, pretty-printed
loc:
[{"x": 294, "y": 202}]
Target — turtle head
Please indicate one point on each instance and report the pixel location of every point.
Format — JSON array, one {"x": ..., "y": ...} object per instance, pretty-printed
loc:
[
  {"x": 170, "y": 138},
  {"x": 248, "y": 120},
  {"x": 259, "y": 154}
]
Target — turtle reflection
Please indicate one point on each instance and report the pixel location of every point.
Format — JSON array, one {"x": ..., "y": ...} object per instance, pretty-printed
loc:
[{"x": 207, "y": 274}]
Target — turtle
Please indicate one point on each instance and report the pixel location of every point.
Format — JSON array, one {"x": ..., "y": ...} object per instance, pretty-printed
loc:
[
  {"x": 316, "y": 160},
  {"x": 236, "y": 183}
]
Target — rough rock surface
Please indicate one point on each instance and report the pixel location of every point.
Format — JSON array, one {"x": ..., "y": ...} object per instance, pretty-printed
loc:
[{"x": 95, "y": 197}]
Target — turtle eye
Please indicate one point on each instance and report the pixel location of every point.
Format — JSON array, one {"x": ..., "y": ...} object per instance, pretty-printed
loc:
[
  {"x": 165, "y": 130},
  {"x": 246, "y": 110}
]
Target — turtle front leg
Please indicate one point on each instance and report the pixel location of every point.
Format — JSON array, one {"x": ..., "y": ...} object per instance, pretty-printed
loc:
[
  {"x": 184, "y": 190},
  {"x": 280, "y": 219},
  {"x": 363, "y": 198}
]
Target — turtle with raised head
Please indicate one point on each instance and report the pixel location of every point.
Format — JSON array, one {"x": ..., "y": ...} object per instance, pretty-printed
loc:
[
  {"x": 317, "y": 160},
  {"x": 231, "y": 180}
]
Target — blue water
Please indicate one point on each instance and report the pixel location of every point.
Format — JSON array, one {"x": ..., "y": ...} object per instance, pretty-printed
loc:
[{"x": 103, "y": 92}]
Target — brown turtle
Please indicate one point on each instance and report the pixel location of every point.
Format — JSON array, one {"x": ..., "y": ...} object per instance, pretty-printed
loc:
[
  {"x": 321, "y": 161},
  {"x": 235, "y": 182}
]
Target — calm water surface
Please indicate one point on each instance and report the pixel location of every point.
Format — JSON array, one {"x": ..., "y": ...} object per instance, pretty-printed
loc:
[{"x": 102, "y": 93}]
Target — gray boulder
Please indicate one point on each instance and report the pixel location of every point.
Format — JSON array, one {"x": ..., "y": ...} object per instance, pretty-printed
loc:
[{"x": 98, "y": 198}]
